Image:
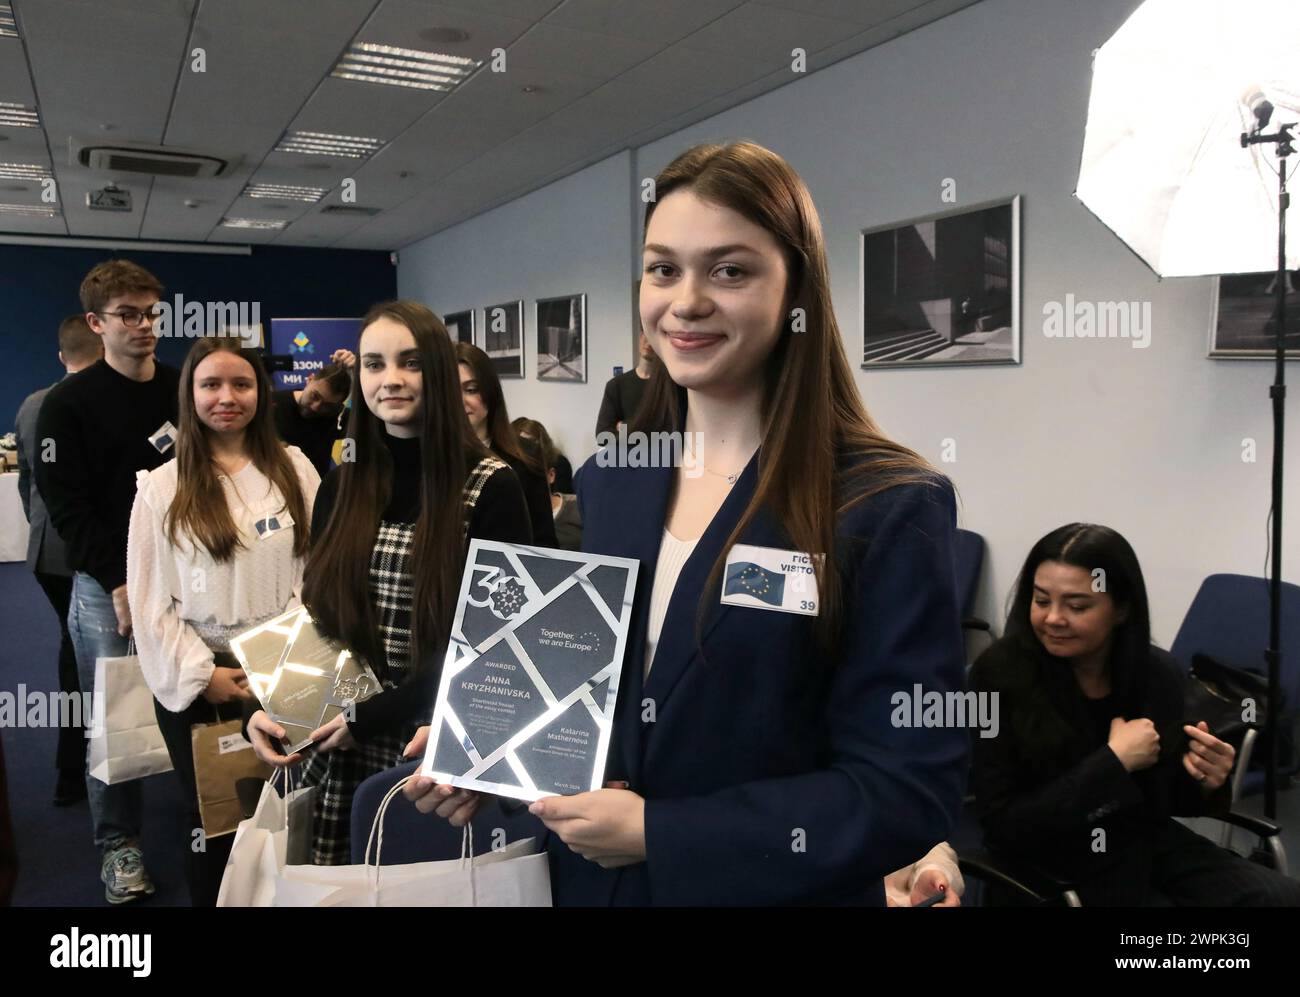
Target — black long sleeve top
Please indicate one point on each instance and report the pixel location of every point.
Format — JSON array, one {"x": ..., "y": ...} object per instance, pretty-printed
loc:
[
  {"x": 499, "y": 514},
  {"x": 537, "y": 496},
  {"x": 99, "y": 423},
  {"x": 1048, "y": 780}
]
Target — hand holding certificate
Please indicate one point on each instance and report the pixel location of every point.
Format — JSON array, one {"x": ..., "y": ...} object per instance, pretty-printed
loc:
[
  {"x": 302, "y": 678},
  {"x": 526, "y": 698}
]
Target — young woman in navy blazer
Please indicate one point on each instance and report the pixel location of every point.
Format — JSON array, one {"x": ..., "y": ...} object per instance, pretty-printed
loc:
[{"x": 753, "y": 759}]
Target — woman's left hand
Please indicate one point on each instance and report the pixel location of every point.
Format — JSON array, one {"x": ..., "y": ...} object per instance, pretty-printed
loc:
[
  {"x": 1208, "y": 760},
  {"x": 334, "y": 734},
  {"x": 606, "y": 826}
]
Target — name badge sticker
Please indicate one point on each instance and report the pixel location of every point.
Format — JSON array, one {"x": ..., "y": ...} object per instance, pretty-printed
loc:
[
  {"x": 768, "y": 578},
  {"x": 163, "y": 438},
  {"x": 272, "y": 525}
]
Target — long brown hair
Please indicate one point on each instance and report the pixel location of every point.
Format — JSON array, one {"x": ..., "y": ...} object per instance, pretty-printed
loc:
[
  {"x": 336, "y": 581},
  {"x": 199, "y": 508},
  {"x": 501, "y": 434},
  {"x": 525, "y": 427},
  {"x": 824, "y": 453}
]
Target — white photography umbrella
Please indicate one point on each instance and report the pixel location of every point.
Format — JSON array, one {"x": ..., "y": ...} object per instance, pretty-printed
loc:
[
  {"x": 1179, "y": 163},
  {"x": 1162, "y": 164}
]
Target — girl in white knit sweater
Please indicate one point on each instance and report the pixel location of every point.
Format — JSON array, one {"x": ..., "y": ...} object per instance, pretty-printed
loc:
[{"x": 217, "y": 544}]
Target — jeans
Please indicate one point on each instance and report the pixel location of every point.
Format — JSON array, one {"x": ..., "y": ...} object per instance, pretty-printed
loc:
[{"x": 115, "y": 811}]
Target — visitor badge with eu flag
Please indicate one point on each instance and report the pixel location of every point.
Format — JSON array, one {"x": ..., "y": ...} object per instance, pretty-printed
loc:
[{"x": 768, "y": 578}]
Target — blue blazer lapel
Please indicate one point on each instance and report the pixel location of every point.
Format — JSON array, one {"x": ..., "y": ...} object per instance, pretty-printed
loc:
[
  {"x": 637, "y": 532},
  {"x": 677, "y": 640}
]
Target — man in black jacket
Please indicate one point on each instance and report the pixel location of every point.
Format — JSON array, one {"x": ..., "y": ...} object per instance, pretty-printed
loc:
[
  {"x": 95, "y": 430},
  {"x": 623, "y": 393}
]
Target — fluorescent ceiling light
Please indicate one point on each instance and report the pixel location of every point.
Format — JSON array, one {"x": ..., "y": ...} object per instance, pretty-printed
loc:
[
  {"x": 277, "y": 191},
  {"x": 327, "y": 144},
  {"x": 18, "y": 116},
  {"x": 404, "y": 67},
  {"x": 8, "y": 29},
  {"x": 29, "y": 210},
  {"x": 23, "y": 171},
  {"x": 259, "y": 223}
]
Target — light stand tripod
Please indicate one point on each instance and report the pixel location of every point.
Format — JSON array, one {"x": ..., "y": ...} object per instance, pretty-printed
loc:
[{"x": 1282, "y": 138}]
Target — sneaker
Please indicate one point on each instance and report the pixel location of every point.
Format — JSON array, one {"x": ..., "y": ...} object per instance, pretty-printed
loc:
[{"x": 123, "y": 875}]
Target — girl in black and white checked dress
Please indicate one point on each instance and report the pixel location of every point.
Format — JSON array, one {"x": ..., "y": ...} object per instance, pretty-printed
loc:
[{"x": 390, "y": 531}]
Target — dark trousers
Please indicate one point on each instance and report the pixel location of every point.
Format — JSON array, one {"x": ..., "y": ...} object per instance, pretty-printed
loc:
[
  {"x": 1186, "y": 869},
  {"x": 70, "y": 758},
  {"x": 203, "y": 866}
]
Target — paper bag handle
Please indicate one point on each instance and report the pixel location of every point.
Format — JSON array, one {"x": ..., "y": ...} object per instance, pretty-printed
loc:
[
  {"x": 288, "y": 788},
  {"x": 376, "y": 840}
]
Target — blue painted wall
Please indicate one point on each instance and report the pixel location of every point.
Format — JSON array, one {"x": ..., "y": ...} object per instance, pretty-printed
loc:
[{"x": 38, "y": 288}]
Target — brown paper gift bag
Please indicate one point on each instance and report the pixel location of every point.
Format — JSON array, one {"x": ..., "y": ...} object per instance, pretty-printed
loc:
[{"x": 221, "y": 758}]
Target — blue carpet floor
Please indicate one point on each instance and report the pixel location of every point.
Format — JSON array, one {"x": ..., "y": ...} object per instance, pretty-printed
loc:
[{"x": 58, "y": 864}]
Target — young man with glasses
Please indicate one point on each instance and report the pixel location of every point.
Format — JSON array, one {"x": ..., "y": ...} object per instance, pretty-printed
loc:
[{"x": 95, "y": 430}]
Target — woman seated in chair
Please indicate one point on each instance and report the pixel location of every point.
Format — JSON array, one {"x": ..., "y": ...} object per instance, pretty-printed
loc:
[{"x": 1094, "y": 758}]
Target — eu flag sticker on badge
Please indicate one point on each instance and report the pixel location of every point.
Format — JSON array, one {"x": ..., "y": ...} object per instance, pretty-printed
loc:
[
  {"x": 271, "y": 525},
  {"x": 768, "y": 578},
  {"x": 748, "y": 578},
  {"x": 162, "y": 438}
]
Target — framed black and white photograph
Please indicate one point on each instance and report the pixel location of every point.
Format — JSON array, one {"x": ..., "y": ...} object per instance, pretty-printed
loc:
[
  {"x": 1243, "y": 323},
  {"x": 944, "y": 289},
  {"x": 503, "y": 337},
  {"x": 460, "y": 326},
  {"x": 562, "y": 338}
]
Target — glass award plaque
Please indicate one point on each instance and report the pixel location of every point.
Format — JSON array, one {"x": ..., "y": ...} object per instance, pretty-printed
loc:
[
  {"x": 526, "y": 697},
  {"x": 302, "y": 678}
]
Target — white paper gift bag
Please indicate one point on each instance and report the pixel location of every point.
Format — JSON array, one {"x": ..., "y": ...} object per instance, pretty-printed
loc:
[
  {"x": 278, "y": 831},
  {"x": 125, "y": 742},
  {"x": 517, "y": 875}
]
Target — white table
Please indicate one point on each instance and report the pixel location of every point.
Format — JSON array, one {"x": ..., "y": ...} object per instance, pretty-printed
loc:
[{"x": 13, "y": 523}]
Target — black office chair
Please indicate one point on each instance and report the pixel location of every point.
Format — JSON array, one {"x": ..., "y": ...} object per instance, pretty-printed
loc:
[
  {"x": 1030, "y": 884},
  {"x": 968, "y": 558},
  {"x": 1228, "y": 622}
]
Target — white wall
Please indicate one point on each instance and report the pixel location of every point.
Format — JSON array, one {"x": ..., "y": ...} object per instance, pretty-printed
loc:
[
  {"x": 1147, "y": 441},
  {"x": 573, "y": 236}
]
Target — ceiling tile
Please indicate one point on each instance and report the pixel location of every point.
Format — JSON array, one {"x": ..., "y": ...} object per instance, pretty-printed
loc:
[
  {"x": 864, "y": 12},
  {"x": 769, "y": 33},
  {"x": 15, "y": 81},
  {"x": 400, "y": 23},
  {"x": 663, "y": 21},
  {"x": 368, "y": 110},
  {"x": 587, "y": 52},
  {"x": 688, "y": 70}
]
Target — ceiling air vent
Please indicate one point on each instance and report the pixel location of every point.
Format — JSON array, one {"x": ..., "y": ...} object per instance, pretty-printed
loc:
[
  {"x": 348, "y": 209},
  {"x": 155, "y": 162}
]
